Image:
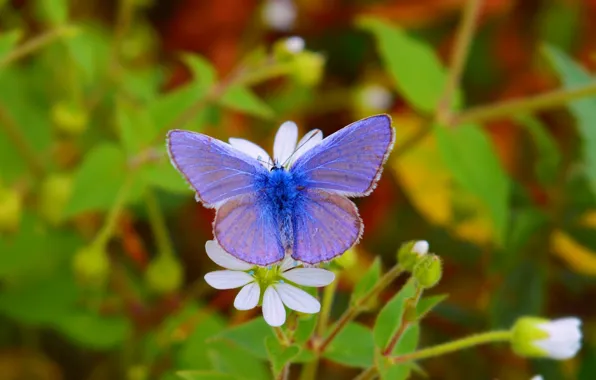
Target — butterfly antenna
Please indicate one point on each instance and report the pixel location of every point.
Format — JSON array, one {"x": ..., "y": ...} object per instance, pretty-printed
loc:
[
  {"x": 312, "y": 135},
  {"x": 263, "y": 161}
]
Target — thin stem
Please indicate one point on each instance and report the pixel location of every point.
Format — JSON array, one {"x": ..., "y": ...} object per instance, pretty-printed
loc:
[
  {"x": 36, "y": 43},
  {"x": 514, "y": 107},
  {"x": 284, "y": 374},
  {"x": 404, "y": 323},
  {"x": 281, "y": 336},
  {"x": 109, "y": 226},
  {"x": 456, "y": 345},
  {"x": 14, "y": 133},
  {"x": 355, "y": 309},
  {"x": 158, "y": 224},
  {"x": 463, "y": 41},
  {"x": 367, "y": 374},
  {"x": 328, "y": 295}
]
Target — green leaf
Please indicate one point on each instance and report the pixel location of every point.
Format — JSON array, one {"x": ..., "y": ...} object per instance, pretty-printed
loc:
[
  {"x": 53, "y": 11},
  {"x": 244, "y": 100},
  {"x": 194, "y": 352},
  {"x": 368, "y": 281},
  {"x": 584, "y": 110},
  {"x": 98, "y": 180},
  {"x": 229, "y": 359},
  {"x": 89, "y": 50},
  {"x": 136, "y": 128},
  {"x": 278, "y": 354},
  {"x": 163, "y": 175},
  {"x": 426, "y": 304},
  {"x": 205, "y": 375},
  {"x": 389, "y": 318},
  {"x": 167, "y": 108},
  {"x": 407, "y": 344},
  {"x": 249, "y": 336},
  {"x": 306, "y": 327},
  {"x": 203, "y": 72},
  {"x": 548, "y": 161},
  {"x": 416, "y": 70},
  {"x": 469, "y": 155},
  {"x": 352, "y": 347},
  {"x": 8, "y": 40},
  {"x": 94, "y": 331}
]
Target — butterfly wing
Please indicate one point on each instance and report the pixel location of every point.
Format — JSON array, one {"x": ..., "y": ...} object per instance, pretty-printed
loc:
[
  {"x": 350, "y": 161},
  {"x": 246, "y": 228},
  {"x": 215, "y": 169},
  {"x": 325, "y": 226}
]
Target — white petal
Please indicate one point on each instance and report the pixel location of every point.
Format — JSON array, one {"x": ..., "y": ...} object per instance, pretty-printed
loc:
[
  {"x": 294, "y": 44},
  {"x": 297, "y": 299},
  {"x": 248, "y": 297},
  {"x": 537, "y": 377},
  {"x": 285, "y": 142},
  {"x": 273, "y": 309},
  {"x": 228, "y": 279},
  {"x": 310, "y": 276},
  {"x": 253, "y": 150},
  {"x": 220, "y": 257},
  {"x": 420, "y": 247},
  {"x": 309, "y": 141},
  {"x": 288, "y": 263}
]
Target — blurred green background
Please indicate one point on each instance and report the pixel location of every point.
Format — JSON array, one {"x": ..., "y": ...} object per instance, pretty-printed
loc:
[{"x": 101, "y": 241}]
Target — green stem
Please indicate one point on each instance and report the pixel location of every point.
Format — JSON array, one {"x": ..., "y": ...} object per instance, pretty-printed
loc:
[
  {"x": 367, "y": 374},
  {"x": 456, "y": 345},
  {"x": 404, "y": 323},
  {"x": 514, "y": 107},
  {"x": 109, "y": 226},
  {"x": 281, "y": 336},
  {"x": 355, "y": 309},
  {"x": 36, "y": 43},
  {"x": 158, "y": 224}
]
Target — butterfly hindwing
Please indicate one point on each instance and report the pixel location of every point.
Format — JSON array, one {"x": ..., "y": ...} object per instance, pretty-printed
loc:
[
  {"x": 245, "y": 228},
  {"x": 350, "y": 161},
  {"x": 215, "y": 169},
  {"x": 325, "y": 226}
]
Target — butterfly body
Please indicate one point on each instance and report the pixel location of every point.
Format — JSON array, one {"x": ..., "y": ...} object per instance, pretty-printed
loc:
[{"x": 298, "y": 208}]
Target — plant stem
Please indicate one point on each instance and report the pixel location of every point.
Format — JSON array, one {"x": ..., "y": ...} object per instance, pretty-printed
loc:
[
  {"x": 109, "y": 226},
  {"x": 404, "y": 323},
  {"x": 355, "y": 309},
  {"x": 367, "y": 374},
  {"x": 456, "y": 345},
  {"x": 158, "y": 224},
  {"x": 14, "y": 133},
  {"x": 281, "y": 336},
  {"x": 514, "y": 107},
  {"x": 284, "y": 374},
  {"x": 328, "y": 295},
  {"x": 36, "y": 43},
  {"x": 463, "y": 41}
]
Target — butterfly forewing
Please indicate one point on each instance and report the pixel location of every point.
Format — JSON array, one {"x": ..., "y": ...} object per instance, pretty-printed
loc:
[
  {"x": 349, "y": 161},
  {"x": 325, "y": 227},
  {"x": 215, "y": 170}
]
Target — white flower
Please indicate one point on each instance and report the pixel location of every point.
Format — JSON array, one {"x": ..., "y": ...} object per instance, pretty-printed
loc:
[
  {"x": 537, "y": 337},
  {"x": 420, "y": 247},
  {"x": 285, "y": 149},
  {"x": 376, "y": 97},
  {"x": 272, "y": 285},
  {"x": 294, "y": 44},
  {"x": 537, "y": 377},
  {"x": 279, "y": 14}
]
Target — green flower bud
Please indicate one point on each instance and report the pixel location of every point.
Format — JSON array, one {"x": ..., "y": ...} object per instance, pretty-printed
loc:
[
  {"x": 164, "y": 275},
  {"x": 70, "y": 118},
  {"x": 91, "y": 265},
  {"x": 410, "y": 252},
  {"x": 428, "y": 271},
  {"x": 11, "y": 205},
  {"x": 308, "y": 68},
  {"x": 538, "y": 337},
  {"x": 54, "y": 194},
  {"x": 348, "y": 259},
  {"x": 286, "y": 49}
]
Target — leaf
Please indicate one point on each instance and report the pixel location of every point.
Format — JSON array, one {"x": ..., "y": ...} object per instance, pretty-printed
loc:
[
  {"x": 389, "y": 318},
  {"x": 229, "y": 359},
  {"x": 469, "y": 155},
  {"x": 203, "y": 72},
  {"x": 8, "y": 40},
  {"x": 136, "y": 128},
  {"x": 244, "y": 100},
  {"x": 204, "y": 375},
  {"x": 94, "y": 331},
  {"x": 249, "y": 336},
  {"x": 367, "y": 282},
  {"x": 162, "y": 175},
  {"x": 548, "y": 161},
  {"x": 406, "y": 59},
  {"x": 167, "y": 108},
  {"x": 194, "y": 352},
  {"x": 584, "y": 110},
  {"x": 306, "y": 327},
  {"x": 426, "y": 304},
  {"x": 280, "y": 355},
  {"x": 407, "y": 344},
  {"x": 352, "y": 347},
  {"x": 53, "y": 11}
]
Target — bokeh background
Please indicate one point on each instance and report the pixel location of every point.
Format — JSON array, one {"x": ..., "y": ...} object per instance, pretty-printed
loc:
[{"x": 102, "y": 243}]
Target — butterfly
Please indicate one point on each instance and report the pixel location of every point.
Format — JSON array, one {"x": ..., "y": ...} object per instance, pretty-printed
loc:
[{"x": 296, "y": 204}]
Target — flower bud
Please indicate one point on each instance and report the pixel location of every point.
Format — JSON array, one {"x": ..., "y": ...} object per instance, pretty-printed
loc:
[
  {"x": 164, "y": 275},
  {"x": 286, "y": 49},
  {"x": 69, "y": 118},
  {"x": 54, "y": 194},
  {"x": 428, "y": 271},
  {"x": 372, "y": 98},
  {"x": 308, "y": 68},
  {"x": 410, "y": 252},
  {"x": 539, "y": 337},
  {"x": 91, "y": 265},
  {"x": 279, "y": 14},
  {"x": 348, "y": 259},
  {"x": 11, "y": 204}
]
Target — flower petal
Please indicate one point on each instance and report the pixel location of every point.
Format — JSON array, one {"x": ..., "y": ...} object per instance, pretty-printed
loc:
[
  {"x": 252, "y": 150},
  {"x": 310, "y": 276},
  {"x": 228, "y": 279},
  {"x": 288, "y": 263},
  {"x": 309, "y": 141},
  {"x": 248, "y": 297},
  {"x": 297, "y": 299},
  {"x": 285, "y": 142},
  {"x": 274, "y": 311},
  {"x": 220, "y": 257}
]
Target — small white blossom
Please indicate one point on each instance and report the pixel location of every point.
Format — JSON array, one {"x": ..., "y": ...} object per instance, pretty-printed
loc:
[
  {"x": 537, "y": 377},
  {"x": 420, "y": 247},
  {"x": 285, "y": 149},
  {"x": 279, "y": 14},
  {"x": 537, "y": 337},
  {"x": 272, "y": 285},
  {"x": 376, "y": 97},
  {"x": 294, "y": 44}
]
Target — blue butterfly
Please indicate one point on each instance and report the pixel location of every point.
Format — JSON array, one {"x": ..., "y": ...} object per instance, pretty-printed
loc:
[{"x": 296, "y": 204}]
